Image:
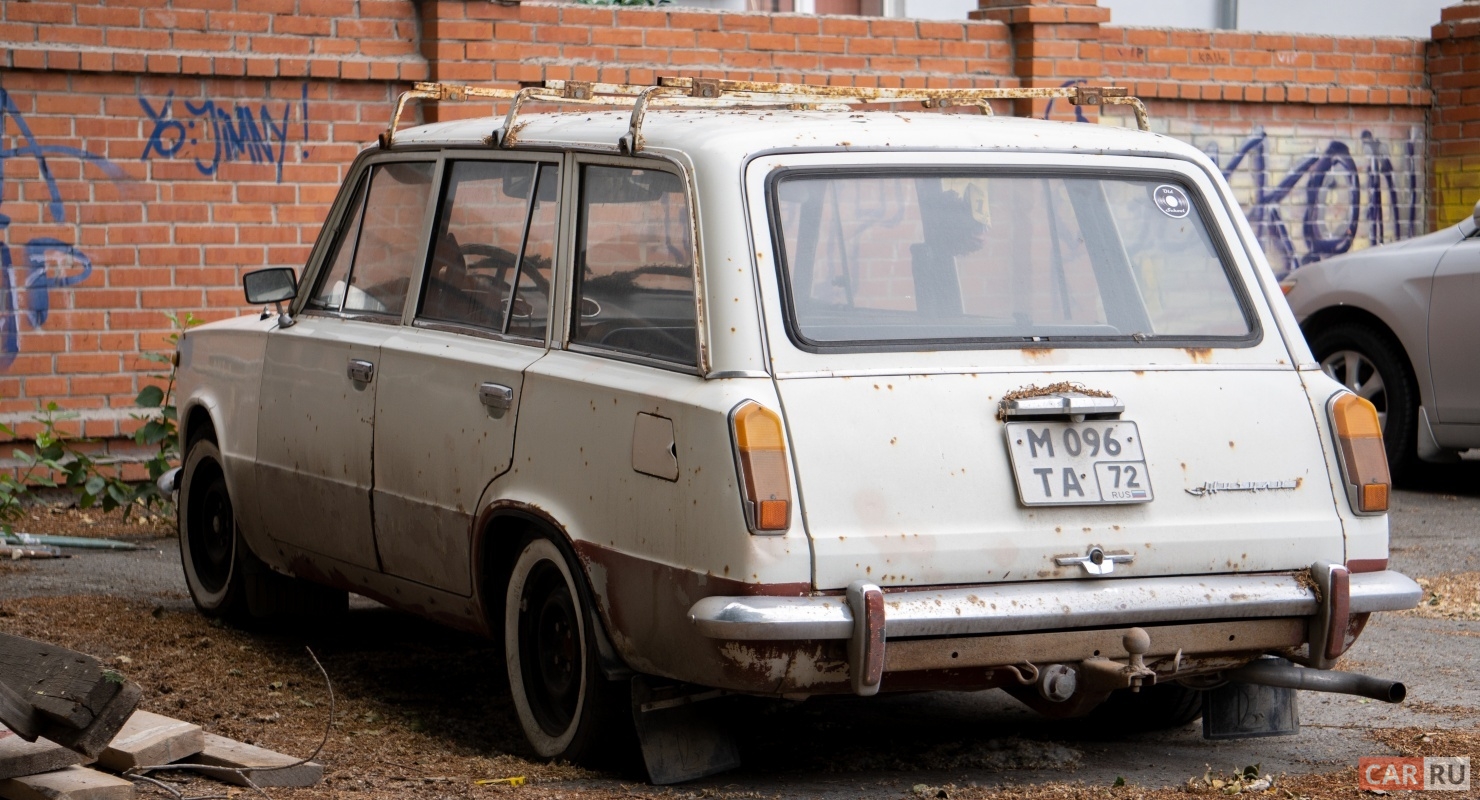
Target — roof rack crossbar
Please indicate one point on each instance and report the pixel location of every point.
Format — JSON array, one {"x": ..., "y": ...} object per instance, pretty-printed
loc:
[{"x": 683, "y": 91}]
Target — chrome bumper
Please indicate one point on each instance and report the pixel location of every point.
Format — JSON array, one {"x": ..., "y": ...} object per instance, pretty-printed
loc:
[
  {"x": 1025, "y": 607},
  {"x": 1019, "y": 607}
]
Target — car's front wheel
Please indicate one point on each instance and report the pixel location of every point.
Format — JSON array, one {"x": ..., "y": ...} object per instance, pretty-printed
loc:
[
  {"x": 1373, "y": 366},
  {"x": 210, "y": 548},
  {"x": 564, "y": 703}
]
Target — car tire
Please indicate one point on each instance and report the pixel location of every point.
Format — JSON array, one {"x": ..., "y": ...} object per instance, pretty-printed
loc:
[
  {"x": 566, "y": 706},
  {"x": 211, "y": 549},
  {"x": 1161, "y": 706},
  {"x": 225, "y": 578},
  {"x": 1355, "y": 354}
]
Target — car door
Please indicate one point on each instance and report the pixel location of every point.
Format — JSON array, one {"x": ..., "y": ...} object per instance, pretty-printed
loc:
[
  {"x": 317, "y": 407},
  {"x": 450, "y": 382},
  {"x": 1454, "y": 334}
]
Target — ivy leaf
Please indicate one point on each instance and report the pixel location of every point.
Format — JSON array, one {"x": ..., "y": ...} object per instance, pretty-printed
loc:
[
  {"x": 150, "y": 397},
  {"x": 95, "y": 485}
]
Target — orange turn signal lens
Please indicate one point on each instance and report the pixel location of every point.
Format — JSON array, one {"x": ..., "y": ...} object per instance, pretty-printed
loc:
[
  {"x": 760, "y": 452},
  {"x": 1363, "y": 460}
]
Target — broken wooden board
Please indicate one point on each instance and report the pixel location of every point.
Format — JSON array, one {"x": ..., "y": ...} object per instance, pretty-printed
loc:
[
  {"x": 62, "y": 694},
  {"x": 63, "y": 685},
  {"x": 17, "y": 713},
  {"x": 92, "y": 740},
  {"x": 223, "y": 752},
  {"x": 72, "y": 783},
  {"x": 149, "y": 739},
  {"x": 19, "y": 757}
]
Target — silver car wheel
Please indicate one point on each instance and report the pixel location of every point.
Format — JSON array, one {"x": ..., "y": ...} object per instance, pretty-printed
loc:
[{"x": 1356, "y": 372}]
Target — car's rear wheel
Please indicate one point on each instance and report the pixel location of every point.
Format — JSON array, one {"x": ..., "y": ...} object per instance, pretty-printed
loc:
[
  {"x": 1373, "y": 366},
  {"x": 210, "y": 547},
  {"x": 566, "y": 707}
]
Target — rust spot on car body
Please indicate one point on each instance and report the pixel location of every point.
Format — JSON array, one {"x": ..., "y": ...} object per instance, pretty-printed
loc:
[{"x": 1200, "y": 355}]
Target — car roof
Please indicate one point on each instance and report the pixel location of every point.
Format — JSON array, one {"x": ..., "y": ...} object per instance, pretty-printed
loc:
[{"x": 743, "y": 132}]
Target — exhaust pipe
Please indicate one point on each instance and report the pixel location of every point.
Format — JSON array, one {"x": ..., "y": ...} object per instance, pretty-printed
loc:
[{"x": 1273, "y": 672}]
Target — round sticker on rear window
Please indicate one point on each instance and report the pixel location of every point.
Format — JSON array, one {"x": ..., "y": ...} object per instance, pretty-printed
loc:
[{"x": 1171, "y": 200}]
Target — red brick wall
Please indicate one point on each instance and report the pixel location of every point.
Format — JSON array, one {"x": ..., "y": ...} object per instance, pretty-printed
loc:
[
  {"x": 186, "y": 143},
  {"x": 1454, "y": 74}
]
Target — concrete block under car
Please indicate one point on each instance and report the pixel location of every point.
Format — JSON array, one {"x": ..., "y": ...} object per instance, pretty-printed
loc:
[
  {"x": 223, "y": 752},
  {"x": 72, "y": 783},
  {"x": 149, "y": 739}
]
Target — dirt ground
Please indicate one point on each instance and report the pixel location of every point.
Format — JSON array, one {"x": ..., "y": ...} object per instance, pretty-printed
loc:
[{"x": 423, "y": 712}]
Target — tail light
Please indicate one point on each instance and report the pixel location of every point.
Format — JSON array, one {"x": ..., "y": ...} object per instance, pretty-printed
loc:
[
  {"x": 760, "y": 453},
  {"x": 1364, "y": 464}
]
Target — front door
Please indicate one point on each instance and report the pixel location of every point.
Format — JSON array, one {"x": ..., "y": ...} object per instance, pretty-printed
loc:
[
  {"x": 316, "y": 419},
  {"x": 450, "y": 384},
  {"x": 1454, "y": 334}
]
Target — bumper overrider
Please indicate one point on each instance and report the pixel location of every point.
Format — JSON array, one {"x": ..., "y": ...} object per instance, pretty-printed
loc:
[{"x": 1197, "y": 624}]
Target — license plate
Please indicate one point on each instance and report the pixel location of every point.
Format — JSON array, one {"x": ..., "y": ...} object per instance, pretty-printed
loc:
[{"x": 1078, "y": 463}]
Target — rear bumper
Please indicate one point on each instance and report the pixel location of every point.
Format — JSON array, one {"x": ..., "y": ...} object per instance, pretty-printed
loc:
[
  {"x": 1022, "y": 607},
  {"x": 1327, "y": 596}
]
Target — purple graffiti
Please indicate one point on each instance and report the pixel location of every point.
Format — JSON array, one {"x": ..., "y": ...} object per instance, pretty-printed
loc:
[
  {"x": 30, "y": 295},
  {"x": 1332, "y": 173},
  {"x": 232, "y": 134}
]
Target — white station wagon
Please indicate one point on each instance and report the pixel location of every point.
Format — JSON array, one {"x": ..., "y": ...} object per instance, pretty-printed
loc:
[{"x": 740, "y": 388}]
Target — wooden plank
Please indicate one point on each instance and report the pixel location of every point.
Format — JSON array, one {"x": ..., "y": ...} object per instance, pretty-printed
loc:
[
  {"x": 17, "y": 713},
  {"x": 148, "y": 739},
  {"x": 72, "y": 783},
  {"x": 64, "y": 686},
  {"x": 92, "y": 740},
  {"x": 19, "y": 757},
  {"x": 223, "y": 752}
]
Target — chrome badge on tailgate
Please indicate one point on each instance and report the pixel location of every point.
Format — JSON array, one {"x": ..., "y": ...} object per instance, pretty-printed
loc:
[{"x": 1078, "y": 463}]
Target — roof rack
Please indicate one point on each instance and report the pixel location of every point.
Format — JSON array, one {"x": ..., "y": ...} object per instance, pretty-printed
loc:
[{"x": 718, "y": 93}]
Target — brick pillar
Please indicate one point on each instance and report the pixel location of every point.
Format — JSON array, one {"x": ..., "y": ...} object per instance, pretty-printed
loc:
[
  {"x": 1054, "y": 42},
  {"x": 1454, "y": 122}
]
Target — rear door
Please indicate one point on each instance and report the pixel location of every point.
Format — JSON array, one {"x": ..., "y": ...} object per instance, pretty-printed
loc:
[
  {"x": 319, "y": 382},
  {"x": 448, "y": 402},
  {"x": 921, "y": 296}
]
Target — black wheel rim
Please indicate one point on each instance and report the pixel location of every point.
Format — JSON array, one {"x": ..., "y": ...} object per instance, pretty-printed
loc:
[
  {"x": 551, "y": 658},
  {"x": 211, "y": 527}
]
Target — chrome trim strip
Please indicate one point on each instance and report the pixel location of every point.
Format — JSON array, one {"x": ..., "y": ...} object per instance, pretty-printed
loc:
[{"x": 1019, "y": 607}]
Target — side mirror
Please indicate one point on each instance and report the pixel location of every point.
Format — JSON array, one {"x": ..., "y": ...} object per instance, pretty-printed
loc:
[
  {"x": 1475, "y": 215},
  {"x": 273, "y": 285}
]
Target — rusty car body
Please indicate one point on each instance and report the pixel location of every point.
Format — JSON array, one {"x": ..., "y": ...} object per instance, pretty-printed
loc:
[{"x": 787, "y": 402}]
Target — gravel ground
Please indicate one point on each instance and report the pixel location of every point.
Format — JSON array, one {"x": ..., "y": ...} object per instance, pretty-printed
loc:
[{"x": 424, "y": 712}]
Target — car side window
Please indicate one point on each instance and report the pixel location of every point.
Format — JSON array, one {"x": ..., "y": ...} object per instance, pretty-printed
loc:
[
  {"x": 493, "y": 248},
  {"x": 329, "y": 295},
  {"x": 388, "y": 245},
  {"x": 635, "y": 265}
]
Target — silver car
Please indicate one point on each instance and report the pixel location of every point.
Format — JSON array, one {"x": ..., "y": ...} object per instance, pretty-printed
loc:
[{"x": 1400, "y": 326}]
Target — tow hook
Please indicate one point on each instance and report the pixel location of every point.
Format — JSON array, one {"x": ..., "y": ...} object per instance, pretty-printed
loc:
[{"x": 1102, "y": 674}]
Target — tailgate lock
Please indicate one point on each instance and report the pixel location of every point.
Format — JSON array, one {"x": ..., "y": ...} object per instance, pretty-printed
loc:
[{"x": 1096, "y": 561}]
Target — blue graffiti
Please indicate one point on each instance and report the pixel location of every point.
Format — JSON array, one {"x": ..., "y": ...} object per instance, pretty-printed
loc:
[
  {"x": 1333, "y": 172},
  {"x": 41, "y": 252},
  {"x": 229, "y": 134}
]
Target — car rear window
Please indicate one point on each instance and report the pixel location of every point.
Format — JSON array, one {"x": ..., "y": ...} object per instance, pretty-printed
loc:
[{"x": 919, "y": 259}]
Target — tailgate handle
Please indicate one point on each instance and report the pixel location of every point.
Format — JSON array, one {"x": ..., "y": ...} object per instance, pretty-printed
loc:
[{"x": 1074, "y": 405}]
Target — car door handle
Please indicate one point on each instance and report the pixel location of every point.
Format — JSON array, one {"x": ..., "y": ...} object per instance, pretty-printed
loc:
[
  {"x": 497, "y": 397},
  {"x": 361, "y": 371}
]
